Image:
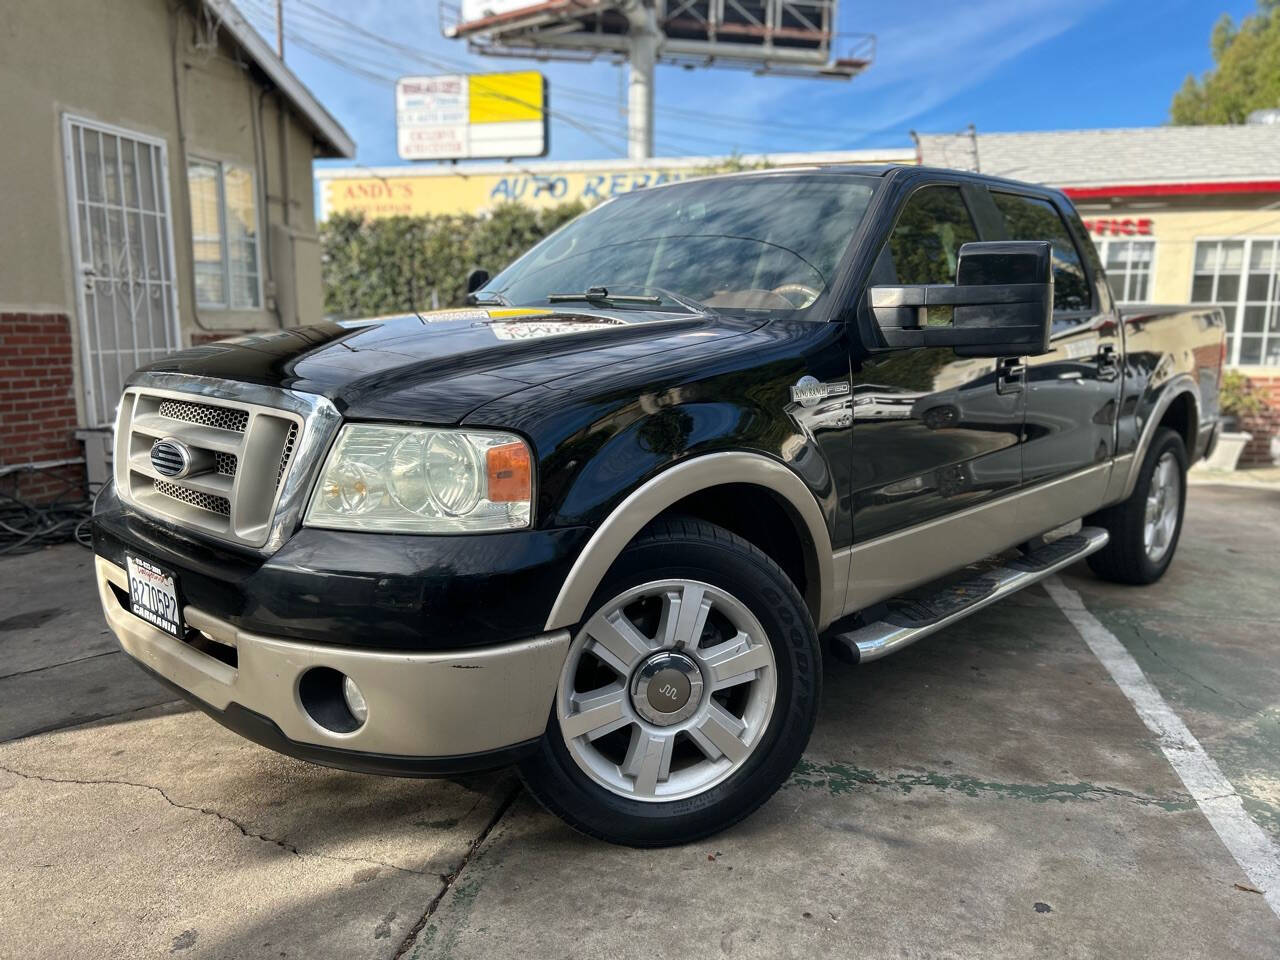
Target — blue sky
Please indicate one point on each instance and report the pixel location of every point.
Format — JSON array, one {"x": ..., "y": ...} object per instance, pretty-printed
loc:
[{"x": 940, "y": 65}]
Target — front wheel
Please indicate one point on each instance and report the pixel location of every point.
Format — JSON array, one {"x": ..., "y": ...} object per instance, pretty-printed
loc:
[
  {"x": 1145, "y": 528},
  {"x": 687, "y": 695}
]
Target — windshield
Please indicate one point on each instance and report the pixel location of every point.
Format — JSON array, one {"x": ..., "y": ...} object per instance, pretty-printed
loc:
[{"x": 750, "y": 243}]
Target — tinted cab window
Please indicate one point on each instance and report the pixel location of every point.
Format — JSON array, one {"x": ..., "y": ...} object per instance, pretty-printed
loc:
[
  {"x": 925, "y": 243},
  {"x": 1031, "y": 218}
]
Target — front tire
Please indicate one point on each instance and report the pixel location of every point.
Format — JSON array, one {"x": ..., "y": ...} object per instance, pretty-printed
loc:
[
  {"x": 1145, "y": 528},
  {"x": 688, "y": 694}
]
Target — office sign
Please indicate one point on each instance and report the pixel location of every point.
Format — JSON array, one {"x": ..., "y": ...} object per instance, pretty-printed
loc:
[{"x": 464, "y": 117}]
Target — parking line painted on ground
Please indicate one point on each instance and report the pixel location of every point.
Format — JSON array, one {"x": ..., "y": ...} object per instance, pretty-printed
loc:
[{"x": 1213, "y": 792}]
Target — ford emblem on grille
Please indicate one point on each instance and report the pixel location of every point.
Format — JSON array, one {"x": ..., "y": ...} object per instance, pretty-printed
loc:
[{"x": 171, "y": 458}]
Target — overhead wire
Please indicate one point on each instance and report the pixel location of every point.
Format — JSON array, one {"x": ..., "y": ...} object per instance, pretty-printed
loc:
[{"x": 338, "y": 40}]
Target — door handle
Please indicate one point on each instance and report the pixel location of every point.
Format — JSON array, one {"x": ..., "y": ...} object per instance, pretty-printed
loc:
[
  {"x": 1011, "y": 375},
  {"x": 1108, "y": 362}
]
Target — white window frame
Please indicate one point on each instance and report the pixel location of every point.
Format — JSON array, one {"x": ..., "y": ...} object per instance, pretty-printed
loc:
[
  {"x": 1102, "y": 245},
  {"x": 221, "y": 165},
  {"x": 1242, "y": 296}
]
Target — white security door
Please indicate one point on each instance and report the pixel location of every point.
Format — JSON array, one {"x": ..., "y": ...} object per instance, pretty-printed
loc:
[{"x": 122, "y": 242}]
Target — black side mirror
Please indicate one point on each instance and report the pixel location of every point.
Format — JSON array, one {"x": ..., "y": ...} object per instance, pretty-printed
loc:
[
  {"x": 476, "y": 279},
  {"x": 1002, "y": 303}
]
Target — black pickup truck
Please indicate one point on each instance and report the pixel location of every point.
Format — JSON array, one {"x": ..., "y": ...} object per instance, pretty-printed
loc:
[{"x": 601, "y": 523}]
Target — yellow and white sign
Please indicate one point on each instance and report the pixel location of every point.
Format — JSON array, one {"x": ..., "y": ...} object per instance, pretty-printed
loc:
[{"x": 459, "y": 117}]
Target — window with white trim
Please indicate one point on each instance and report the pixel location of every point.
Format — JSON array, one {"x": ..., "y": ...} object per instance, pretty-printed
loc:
[
  {"x": 224, "y": 235},
  {"x": 1128, "y": 264},
  {"x": 1240, "y": 275}
]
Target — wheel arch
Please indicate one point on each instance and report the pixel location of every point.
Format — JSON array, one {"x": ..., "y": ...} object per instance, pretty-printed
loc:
[
  {"x": 1177, "y": 406},
  {"x": 689, "y": 479}
]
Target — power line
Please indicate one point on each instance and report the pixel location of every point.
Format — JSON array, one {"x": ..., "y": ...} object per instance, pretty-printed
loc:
[{"x": 337, "y": 29}]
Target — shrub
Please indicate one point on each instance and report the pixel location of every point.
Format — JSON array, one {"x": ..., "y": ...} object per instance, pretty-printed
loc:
[{"x": 391, "y": 264}]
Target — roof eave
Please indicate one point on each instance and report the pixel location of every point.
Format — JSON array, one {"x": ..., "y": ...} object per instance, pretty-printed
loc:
[{"x": 329, "y": 132}]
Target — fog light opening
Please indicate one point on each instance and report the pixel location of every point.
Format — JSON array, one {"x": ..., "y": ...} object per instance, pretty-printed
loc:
[
  {"x": 355, "y": 700},
  {"x": 332, "y": 700}
]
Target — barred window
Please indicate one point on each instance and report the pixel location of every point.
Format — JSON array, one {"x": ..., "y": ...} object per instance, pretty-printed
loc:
[{"x": 224, "y": 235}]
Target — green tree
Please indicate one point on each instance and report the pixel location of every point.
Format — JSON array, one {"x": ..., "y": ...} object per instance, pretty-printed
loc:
[{"x": 1246, "y": 73}]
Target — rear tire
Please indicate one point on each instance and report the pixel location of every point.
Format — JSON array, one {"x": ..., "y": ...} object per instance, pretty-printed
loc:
[
  {"x": 743, "y": 676},
  {"x": 1145, "y": 528}
]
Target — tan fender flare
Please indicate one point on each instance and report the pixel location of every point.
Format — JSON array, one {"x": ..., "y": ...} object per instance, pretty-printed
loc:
[{"x": 658, "y": 493}]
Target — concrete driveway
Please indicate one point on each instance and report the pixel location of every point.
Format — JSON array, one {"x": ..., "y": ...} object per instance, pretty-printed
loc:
[{"x": 990, "y": 792}]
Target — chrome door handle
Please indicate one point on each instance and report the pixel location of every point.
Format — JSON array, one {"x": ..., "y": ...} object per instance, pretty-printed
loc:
[
  {"x": 1108, "y": 362},
  {"x": 1011, "y": 376}
]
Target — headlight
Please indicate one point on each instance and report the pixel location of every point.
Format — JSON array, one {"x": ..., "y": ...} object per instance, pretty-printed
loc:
[{"x": 423, "y": 480}]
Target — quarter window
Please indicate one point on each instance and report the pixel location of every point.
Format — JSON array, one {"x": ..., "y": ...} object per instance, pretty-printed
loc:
[
  {"x": 1128, "y": 268},
  {"x": 224, "y": 235},
  {"x": 1240, "y": 276},
  {"x": 1030, "y": 218}
]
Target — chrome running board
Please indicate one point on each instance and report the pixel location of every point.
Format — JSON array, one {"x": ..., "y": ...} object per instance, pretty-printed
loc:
[{"x": 907, "y": 620}]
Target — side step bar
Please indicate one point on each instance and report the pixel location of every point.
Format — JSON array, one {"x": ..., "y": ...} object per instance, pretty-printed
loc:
[{"x": 907, "y": 620}]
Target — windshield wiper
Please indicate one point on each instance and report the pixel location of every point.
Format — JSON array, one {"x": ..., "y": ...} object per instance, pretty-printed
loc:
[
  {"x": 489, "y": 299},
  {"x": 601, "y": 295}
]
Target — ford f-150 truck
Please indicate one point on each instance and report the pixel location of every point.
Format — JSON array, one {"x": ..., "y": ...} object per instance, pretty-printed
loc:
[{"x": 601, "y": 523}]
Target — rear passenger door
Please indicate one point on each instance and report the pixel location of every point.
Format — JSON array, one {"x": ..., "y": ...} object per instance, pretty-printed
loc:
[{"x": 1073, "y": 392}]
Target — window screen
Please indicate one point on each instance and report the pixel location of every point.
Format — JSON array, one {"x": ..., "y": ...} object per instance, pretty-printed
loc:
[{"x": 224, "y": 235}]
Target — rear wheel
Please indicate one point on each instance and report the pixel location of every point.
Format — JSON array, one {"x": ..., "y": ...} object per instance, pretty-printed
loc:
[
  {"x": 687, "y": 695},
  {"x": 1145, "y": 528}
]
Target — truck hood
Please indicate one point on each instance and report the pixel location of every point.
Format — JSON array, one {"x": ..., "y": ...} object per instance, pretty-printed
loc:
[{"x": 439, "y": 366}]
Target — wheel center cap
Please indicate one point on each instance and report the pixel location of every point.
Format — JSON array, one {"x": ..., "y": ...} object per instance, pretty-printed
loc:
[{"x": 667, "y": 688}]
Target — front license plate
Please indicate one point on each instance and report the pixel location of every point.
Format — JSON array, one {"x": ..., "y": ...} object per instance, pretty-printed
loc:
[{"x": 153, "y": 596}]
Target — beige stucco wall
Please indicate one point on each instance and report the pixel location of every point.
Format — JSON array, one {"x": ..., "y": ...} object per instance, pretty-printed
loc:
[
  {"x": 111, "y": 61},
  {"x": 1176, "y": 233}
]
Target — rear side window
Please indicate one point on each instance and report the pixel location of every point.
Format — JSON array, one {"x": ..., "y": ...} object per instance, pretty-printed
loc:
[
  {"x": 1030, "y": 218},
  {"x": 925, "y": 243}
]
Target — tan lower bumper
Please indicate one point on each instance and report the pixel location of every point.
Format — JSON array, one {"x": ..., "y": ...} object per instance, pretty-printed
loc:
[{"x": 420, "y": 705}]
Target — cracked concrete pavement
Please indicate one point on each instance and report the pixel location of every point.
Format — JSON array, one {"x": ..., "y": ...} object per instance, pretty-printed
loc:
[{"x": 987, "y": 793}]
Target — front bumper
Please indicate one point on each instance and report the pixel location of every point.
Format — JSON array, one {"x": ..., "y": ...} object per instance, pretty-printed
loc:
[{"x": 428, "y": 713}]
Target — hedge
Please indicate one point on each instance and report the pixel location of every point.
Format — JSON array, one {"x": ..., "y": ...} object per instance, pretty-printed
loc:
[{"x": 387, "y": 265}]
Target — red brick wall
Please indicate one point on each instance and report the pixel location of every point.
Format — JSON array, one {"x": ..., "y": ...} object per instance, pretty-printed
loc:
[
  {"x": 1265, "y": 425},
  {"x": 38, "y": 406}
]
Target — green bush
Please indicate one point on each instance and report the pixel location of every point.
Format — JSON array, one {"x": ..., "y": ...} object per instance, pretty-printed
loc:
[
  {"x": 1237, "y": 398},
  {"x": 386, "y": 265}
]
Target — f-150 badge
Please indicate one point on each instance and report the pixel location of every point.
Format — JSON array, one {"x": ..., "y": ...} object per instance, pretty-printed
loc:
[{"x": 810, "y": 391}]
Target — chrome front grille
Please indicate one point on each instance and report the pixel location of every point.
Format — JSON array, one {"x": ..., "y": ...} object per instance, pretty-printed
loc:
[
  {"x": 205, "y": 501},
  {"x": 241, "y": 485},
  {"x": 224, "y": 418}
]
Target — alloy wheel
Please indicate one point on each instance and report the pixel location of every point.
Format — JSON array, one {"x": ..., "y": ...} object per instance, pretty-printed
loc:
[{"x": 667, "y": 690}]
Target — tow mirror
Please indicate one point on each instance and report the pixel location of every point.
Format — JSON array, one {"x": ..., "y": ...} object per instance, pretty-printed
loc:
[
  {"x": 1001, "y": 303},
  {"x": 476, "y": 279}
]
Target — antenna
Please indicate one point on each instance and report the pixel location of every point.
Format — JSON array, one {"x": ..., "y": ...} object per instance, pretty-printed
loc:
[{"x": 795, "y": 38}]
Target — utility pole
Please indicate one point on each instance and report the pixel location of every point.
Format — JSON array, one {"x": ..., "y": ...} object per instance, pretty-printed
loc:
[
  {"x": 280, "y": 29},
  {"x": 644, "y": 38}
]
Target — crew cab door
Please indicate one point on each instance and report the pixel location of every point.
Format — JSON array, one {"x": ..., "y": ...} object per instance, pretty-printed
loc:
[
  {"x": 1073, "y": 392},
  {"x": 934, "y": 434}
]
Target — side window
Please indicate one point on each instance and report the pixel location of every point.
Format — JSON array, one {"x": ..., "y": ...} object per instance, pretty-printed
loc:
[
  {"x": 1030, "y": 218},
  {"x": 925, "y": 243}
]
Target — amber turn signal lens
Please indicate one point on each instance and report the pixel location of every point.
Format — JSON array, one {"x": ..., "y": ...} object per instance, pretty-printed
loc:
[{"x": 510, "y": 473}]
